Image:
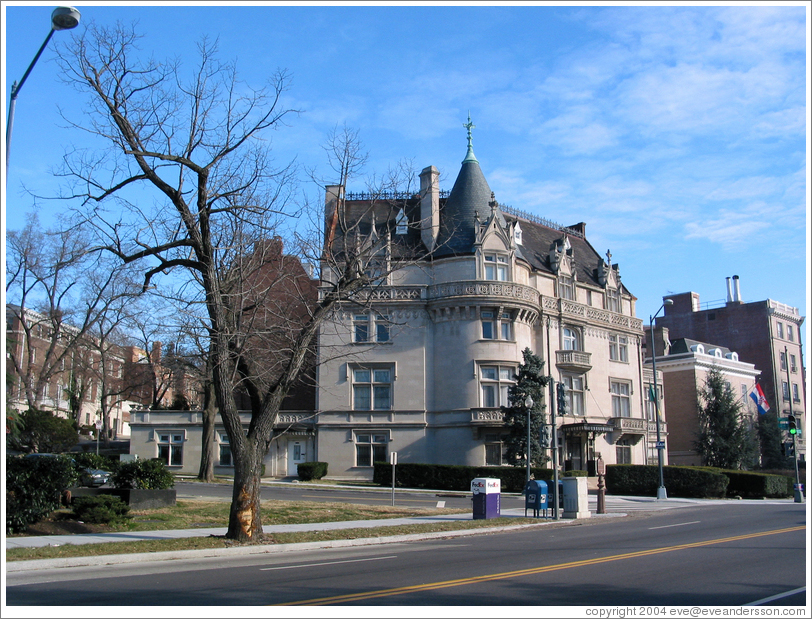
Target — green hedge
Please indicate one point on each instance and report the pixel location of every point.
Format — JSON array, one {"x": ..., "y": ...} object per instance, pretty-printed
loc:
[
  {"x": 311, "y": 470},
  {"x": 143, "y": 475},
  {"x": 450, "y": 477},
  {"x": 747, "y": 484},
  {"x": 34, "y": 487},
  {"x": 643, "y": 480}
]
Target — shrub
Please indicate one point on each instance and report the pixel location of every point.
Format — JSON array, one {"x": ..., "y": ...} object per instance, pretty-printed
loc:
[
  {"x": 100, "y": 509},
  {"x": 451, "y": 477},
  {"x": 143, "y": 475},
  {"x": 94, "y": 461},
  {"x": 34, "y": 487},
  {"x": 680, "y": 481},
  {"x": 312, "y": 470},
  {"x": 576, "y": 473},
  {"x": 42, "y": 431}
]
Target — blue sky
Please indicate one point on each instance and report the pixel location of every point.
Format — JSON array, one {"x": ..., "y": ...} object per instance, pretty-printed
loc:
[{"x": 678, "y": 134}]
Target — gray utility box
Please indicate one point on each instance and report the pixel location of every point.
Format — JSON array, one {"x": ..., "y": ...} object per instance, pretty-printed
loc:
[
  {"x": 487, "y": 497},
  {"x": 536, "y": 497}
]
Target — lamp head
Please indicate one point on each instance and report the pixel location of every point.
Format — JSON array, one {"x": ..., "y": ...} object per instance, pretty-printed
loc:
[
  {"x": 668, "y": 302},
  {"x": 65, "y": 18},
  {"x": 528, "y": 402}
]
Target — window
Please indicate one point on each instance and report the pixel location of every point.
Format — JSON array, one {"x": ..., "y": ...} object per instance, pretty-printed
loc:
[
  {"x": 795, "y": 393},
  {"x": 493, "y": 328},
  {"x": 493, "y": 455},
  {"x": 364, "y": 325},
  {"x": 575, "y": 394},
  {"x": 790, "y": 335},
  {"x": 370, "y": 448},
  {"x": 619, "y": 348},
  {"x": 621, "y": 402},
  {"x": 496, "y": 267},
  {"x": 225, "y": 451},
  {"x": 170, "y": 448},
  {"x": 623, "y": 452},
  {"x": 572, "y": 340},
  {"x": 494, "y": 381},
  {"x": 372, "y": 389},
  {"x": 566, "y": 287},
  {"x": 793, "y": 364},
  {"x": 780, "y": 328},
  {"x": 612, "y": 300},
  {"x": 783, "y": 358},
  {"x": 360, "y": 328},
  {"x": 785, "y": 388}
]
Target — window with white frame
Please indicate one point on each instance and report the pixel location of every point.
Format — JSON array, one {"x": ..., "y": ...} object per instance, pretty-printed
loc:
[
  {"x": 575, "y": 393},
  {"x": 793, "y": 364},
  {"x": 566, "y": 287},
  {"x": 170, "y": 447},
  {"x": 496, "y": 267},
  {"x": 619, "y": 348},
  {"x": 571, "y": 339},
  {"x": 783, "y": 360},
  {"x": 368, "y": 328},
  {"x": 623, "y": 452},
  {"x": 225, "y": 450},
  {"x": 372, "y": 388},
  {"x": 496, "y": 325},
  {"x": 780, "y": 329},
  {"x": 494, "y": 382},
  {"x": 785, "y": 389},
  {"x": 621, "y": 398},
  {"x": 790, "y": 334},
  {"x": 796, "y": 396},
  {"x": 613, "y": 300},
  {"x": 370, "y": 448}
]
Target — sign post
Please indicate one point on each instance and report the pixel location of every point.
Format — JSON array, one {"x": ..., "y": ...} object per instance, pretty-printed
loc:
[
  {"x": 393, "y": 460},
  {"x": 98, "y": 431}
]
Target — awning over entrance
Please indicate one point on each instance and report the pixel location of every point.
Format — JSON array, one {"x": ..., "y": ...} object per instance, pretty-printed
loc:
[{"x": 580, "y": 428}]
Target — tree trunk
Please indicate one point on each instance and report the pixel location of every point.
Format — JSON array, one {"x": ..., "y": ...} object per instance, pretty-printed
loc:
[
  {"x": 245, "y": 521},
  {"x": 206, "y": 472}
]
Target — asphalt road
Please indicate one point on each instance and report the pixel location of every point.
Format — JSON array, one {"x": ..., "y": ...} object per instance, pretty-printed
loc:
[{"x": 727, "y": 554}]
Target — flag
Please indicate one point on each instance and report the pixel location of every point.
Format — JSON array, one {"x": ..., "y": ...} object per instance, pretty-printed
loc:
[{"x": 758, "y": 397}]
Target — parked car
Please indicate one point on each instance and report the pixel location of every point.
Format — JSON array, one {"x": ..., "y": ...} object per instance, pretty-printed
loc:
[{"x": 92, "y": 478}]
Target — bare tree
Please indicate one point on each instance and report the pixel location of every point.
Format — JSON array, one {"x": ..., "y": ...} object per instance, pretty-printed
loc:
[{"x": 199, "y": 144}]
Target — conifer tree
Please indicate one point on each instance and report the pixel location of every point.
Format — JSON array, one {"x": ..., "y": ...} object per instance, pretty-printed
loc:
[
  {"x": 725, "y": 438},
  {"x": 530, "y": 380}
]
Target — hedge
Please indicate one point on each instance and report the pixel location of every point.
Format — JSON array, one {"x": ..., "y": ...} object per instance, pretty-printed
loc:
[
  {"x": 311, "y": 470},
  {"x": 643, "y": 480},
  {"x": 451, "y": 477},
  {"x": 143, "y": 475}
]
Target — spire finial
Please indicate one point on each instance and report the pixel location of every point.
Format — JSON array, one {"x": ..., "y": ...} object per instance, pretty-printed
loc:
[{"x": 469, "y": 156}]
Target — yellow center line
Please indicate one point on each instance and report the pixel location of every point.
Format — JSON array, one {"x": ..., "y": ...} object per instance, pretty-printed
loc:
[{"x": 356, "y": 597}]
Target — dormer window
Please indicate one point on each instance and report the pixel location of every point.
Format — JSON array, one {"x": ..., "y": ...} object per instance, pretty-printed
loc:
[
  {"x": 496, "y": 267},
  {"x": 401, "y": 223},
  {"x": 517, "y": 234},
  {"x": 613, "y": 300},
  {"x": 566, "y": 287}
]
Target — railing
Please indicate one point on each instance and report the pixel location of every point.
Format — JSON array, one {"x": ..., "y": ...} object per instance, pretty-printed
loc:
[
  {"x": 578, "y": 310},
  {"x": 504, "y": 290},
  {"x": 539, "y": 220},
  {"x": 629, "y": 425},
  {"x": 487, "y": 415},
  {"x": 573, "y": 359}
]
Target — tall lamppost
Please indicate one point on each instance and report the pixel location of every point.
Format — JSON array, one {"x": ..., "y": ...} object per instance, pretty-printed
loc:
[
  {"x": 661, "y": 492},
  {"x": 63, "y": 18},
  {"x": 528, "y": 404}
]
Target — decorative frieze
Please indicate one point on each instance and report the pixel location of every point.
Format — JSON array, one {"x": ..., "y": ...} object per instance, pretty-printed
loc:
[
  {"x": 487, "y": 415},
  {"x": 505, "y": 290}
]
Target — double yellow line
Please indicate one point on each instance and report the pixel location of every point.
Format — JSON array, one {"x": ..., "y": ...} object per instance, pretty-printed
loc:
[{"x": 357, "y": 597}]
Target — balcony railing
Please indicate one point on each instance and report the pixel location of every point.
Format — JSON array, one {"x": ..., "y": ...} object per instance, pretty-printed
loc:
[
  {"x": 487, "y": 416},
  {"x": 573, "y": 360}
]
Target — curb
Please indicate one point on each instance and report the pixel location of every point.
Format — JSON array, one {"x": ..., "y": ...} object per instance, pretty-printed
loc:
[{"x": 175, "y": 555}]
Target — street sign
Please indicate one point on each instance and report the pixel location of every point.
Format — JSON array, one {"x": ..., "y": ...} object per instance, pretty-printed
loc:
[
  {"x": 783, "y": 423},
  {"x": 660, "y": 444}
]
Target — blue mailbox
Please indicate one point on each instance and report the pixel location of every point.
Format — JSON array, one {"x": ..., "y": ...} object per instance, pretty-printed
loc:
[{"x": 535, "y": 497}]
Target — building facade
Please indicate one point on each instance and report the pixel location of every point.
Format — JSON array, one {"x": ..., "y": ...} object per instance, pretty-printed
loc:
[
  {"x": 422, "y": 364},
  {"x": 765, "y": 333},
  {"x": 685, "y": 364}
]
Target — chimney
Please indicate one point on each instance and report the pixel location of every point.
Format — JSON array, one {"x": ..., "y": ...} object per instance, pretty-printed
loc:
[
  {"x": 737, "y": 295},
  {"x": 429, "y": 206},
  {"x": 155, "y": 357},
  {"x": 729, "y": 291}
]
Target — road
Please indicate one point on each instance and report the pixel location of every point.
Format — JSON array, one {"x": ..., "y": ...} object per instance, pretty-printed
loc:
[{"x": 730, "y": 554}]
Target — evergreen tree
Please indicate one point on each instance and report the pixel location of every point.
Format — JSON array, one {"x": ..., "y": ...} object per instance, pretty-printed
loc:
[
  {"x": 769, "y": 435},
  {"x": 725, "y": 439},
  {"x": 531, "y": 381}
]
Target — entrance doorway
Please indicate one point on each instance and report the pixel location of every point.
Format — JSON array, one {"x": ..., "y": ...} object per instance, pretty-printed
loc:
[{"x": 296, "y": 455}]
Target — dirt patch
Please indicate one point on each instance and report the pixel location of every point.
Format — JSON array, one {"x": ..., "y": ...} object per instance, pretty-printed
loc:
[{"x": 62, "y": 526}]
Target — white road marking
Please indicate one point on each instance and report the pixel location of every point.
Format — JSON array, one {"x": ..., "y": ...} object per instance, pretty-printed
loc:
[
  {"x": 681, "y": 524},
  {"x": 772, "y": 598},
  {"x": 293, "y": 567}
]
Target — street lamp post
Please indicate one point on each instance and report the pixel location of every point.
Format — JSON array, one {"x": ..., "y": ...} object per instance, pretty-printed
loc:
[
  {"x": 63, "y": 18},
  {"x": 528, "y": 404},
  {"x": 661, "y": 492}
]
